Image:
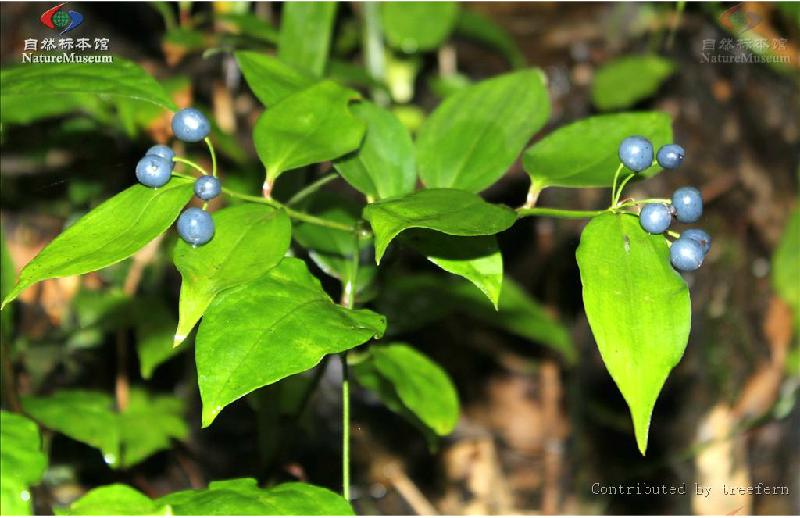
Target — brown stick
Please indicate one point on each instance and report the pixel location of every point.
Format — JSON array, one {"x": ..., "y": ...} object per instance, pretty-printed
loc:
[
  {"x": 551, "y": 400},
  {"x": 397, "y": 478},
  {"x": 140, "y": 261}
]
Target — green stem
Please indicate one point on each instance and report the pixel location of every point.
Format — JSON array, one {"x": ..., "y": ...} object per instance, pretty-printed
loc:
[
  {"x": 213, "y": 157},
  {"x": 533, "y": 196},
  {"x": 614, "y": 183},
  {"x": 311, "y": 189},
  {"x": 191, "y": 164},
  {"x": 292, "y": 213},
  {"x": 345, "y": 428},
  {"x": 559, "y": 213},
  {"x": 621, "y": 187},
  {"x": 348, "y": 300},
  {"x": 373, "y": 50},
  {"x": 633, "y": 203}
]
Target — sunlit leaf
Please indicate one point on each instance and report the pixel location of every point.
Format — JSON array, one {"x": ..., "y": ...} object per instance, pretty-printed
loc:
[{"x": 638, "y": 308}]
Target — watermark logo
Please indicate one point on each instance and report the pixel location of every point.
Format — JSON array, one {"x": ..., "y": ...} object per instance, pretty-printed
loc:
[
  {"x": 60, "y": 19},
  {"x": 60, "y": 49}
]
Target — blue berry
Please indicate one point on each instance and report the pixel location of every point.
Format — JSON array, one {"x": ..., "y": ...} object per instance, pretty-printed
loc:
[
  {"x": 655, "y": 218},
  {"x": 636, "y": 153},
  {"x": 153, "y": 171},
  {"x": 670, "y": 156},
  {"x": 189, "y": 125},
  {"x": 686, "y": 254},
  {"x": 688, "y": 204},
  {"x": 162, "y": 151},
  {"x": 207, "y": 187},
  {"x": 195, "y": 226},
  {"x": 701, "y": 236}
]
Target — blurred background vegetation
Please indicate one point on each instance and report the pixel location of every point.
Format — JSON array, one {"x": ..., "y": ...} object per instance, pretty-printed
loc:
[{"x": 537, "y": 430}]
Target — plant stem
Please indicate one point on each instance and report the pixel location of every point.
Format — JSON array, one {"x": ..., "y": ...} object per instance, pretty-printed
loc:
[
  {"x": 614, "y": 183},
  {"x": 559, "y": 213},
  {"x": 213, "y": 157},
  {"x": 373, "y": 50},
  {"x": 643, "y": 202},
  {"x": 345, "y": 428},
  {"x": 292, "y": 213},
  {"x": 191, "y": 164},
  {"x": 533, "y": 196},
  {"x": 621, "y": 187},
  {"x": 311, "y": 189},
  {"x": 348, "y": 300}
]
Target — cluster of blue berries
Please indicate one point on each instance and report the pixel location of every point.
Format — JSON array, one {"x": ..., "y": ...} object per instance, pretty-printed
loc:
[
  {"x": 689, "y": 250},
  {"x": 195, "y": 226}
]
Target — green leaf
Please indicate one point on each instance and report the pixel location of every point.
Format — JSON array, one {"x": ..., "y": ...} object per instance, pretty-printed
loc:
[
  {"x": 249, "y": 24},
  {"x": 7, "y": 277},
  {"x": 638, "y": 308},
  {"x": 417, "y": 26},
  {"x": 475, "y": 135},
  {"x": 229, "y": 497},
  {"x": 30, "y": 82},
  {"x": 384, "y": 164},
  {"x": 22, "y": 462},
  {"x": 477, "y": 259},
  {"x": 83, "y": 415},
  {"x": 625, "y": 81},
  {"x": 115, "y": 500},
  {"x": 474, "y": 25},
  {"x": 585, "y": 153},
  {"x": 332, "y": 250},
  {"x": 244, "y": 497},
  {"x": 185, "y": 39},
  {"x": 409, "y": 376},
  {"x": 310, "y": 126},
  {"x": 305, "y": 37},
  {"x": 108, "y": 234},
  {"x": 411, "y": 302},
  {"x": 249, "y": 240},
  {"x": 155, "y": 331},
  {"x": 450, "y": 211},
  {"x": 146, "y": 426},
  {"x": 785, "y": 262},
  {"x": 270, "y": 79},
  {"x": 17, "y": 110},
  {"x": 264, "y": 331}
]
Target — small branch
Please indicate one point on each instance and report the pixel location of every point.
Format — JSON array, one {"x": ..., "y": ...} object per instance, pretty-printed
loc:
[
  {"x": 345, "y": 428},
  {"x": 191, "y": 164},
  {"x": 409, "y": 491},
  {"x": 266, "y": 189},
  {"x": 213, "y": 157},
  {"x": 559, "y": 213},
  {"x": 294, "y": 214},
  {"x": 614, "y": 183},
  {"x": 132, "y": 280},
  {"x": 621, "y": 187},
  {"x": 633, "y": 203},
  {"x": 311, "y": 189},
  {"x": 348, "y": 301},
  {"x": 533, "y": 196}
]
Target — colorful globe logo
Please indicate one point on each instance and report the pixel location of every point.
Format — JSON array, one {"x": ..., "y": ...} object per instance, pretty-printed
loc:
[{"x": 61, "y": 20}]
